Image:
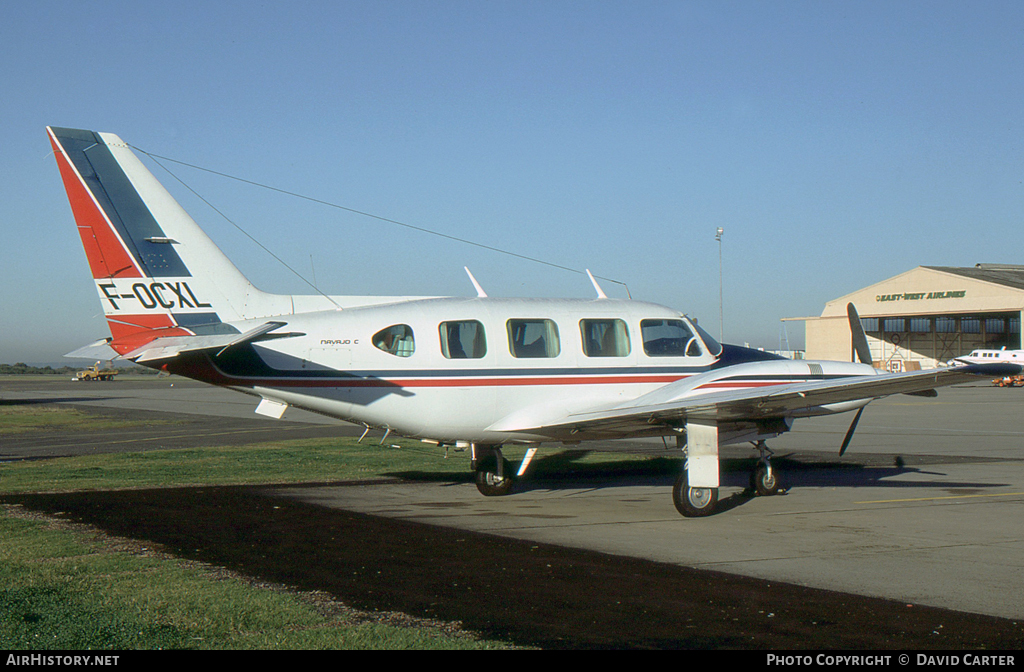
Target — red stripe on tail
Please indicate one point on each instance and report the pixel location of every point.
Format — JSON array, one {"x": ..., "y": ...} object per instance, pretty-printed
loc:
[{"x": 107, "y": 255}]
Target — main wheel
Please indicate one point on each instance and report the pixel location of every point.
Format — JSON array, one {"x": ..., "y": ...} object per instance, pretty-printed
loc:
[
  {"x": 763, "y": 480},
  {"x": 488, "y": 482},
  {"x": 693, "y": 502}
]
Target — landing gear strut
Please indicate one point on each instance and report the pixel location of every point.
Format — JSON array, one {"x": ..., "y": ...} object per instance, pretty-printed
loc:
[{"x": 701, "y": 467}]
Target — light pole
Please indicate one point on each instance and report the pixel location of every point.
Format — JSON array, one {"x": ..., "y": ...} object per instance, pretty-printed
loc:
[{"x": 721, "y": 320}]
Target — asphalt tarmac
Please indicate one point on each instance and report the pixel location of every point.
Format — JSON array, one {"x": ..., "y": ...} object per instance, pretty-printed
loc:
[
  {"x": 925, "y": 512},
  {"x": 185, "y": 414}
]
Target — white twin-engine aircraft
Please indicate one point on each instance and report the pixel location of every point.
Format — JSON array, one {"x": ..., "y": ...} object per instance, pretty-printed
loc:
[
  {"x": 483, "y": 372},
  {"x": 983, "y": 356}
]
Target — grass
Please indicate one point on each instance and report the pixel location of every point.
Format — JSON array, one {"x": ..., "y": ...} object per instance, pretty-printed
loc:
[
  {"x": 63, "y": 587},
  {"x": 299, "y": 461},
  {"x": 313, "y": 460},
  {"x": 66, "y": 589},
  {"x": 19, "y": 419}
]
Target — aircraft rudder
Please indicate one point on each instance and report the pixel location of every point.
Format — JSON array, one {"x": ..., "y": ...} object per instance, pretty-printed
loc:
[{"x": 153, "y": 267}]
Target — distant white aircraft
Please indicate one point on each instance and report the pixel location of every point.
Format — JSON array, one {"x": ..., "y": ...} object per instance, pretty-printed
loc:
[
  {"x": 983, "y": 356},
  {"x": 481, "y": 372}
]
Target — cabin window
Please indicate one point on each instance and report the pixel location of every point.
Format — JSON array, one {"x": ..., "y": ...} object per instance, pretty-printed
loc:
[
  {"x": 669, "y": 338},
  {"x": 395, "y": 340},
  {"x": 463, "y": 340},
  {"x": 604, "y": 338},
  {"x": 533, "y": 338}
]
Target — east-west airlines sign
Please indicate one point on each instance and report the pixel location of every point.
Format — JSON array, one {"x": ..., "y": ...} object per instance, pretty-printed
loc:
[{"x": 918, "y": 296}]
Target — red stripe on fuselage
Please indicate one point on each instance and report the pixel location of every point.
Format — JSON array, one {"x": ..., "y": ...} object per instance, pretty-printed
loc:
[
  {"x": 595, "y": 379},
  {"x": 202, "y": 368},
  {"x": 107, "y": 256},
  {"x": 748, "y": 383}
]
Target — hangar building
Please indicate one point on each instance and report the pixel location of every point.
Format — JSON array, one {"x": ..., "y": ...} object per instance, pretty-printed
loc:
[{"x": 925, "y": 317}]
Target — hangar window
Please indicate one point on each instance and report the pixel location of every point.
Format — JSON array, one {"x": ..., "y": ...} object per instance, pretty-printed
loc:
[
  {"x": 891, "y": 324},
  {"x": 869, "y": 324},
  {"x": 970, "y": 325},
  {"x": 604, "y": 338},
  {"x": 463, "y": 340},
  {"x": 533, "y": 338},
  {"x": 395, "y": 340},
  {"x": 995, "y": 325},
  {"x": 945, "y": 325},
  {"x": 920, "y": 325},
  {"x": 668, "y": 338}
]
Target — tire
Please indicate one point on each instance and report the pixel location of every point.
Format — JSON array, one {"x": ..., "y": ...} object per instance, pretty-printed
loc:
[
  {"x": 693, "y": 502},
  {"x": 762, "y": 483},
  {"x": 487, "y": 480}
]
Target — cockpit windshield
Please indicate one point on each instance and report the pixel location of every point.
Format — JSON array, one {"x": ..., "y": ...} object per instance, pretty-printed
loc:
[{"x": 713, "y": 346}]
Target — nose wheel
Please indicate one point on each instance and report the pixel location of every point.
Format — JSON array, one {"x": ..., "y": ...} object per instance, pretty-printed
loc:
[
  {"x": 493, "y": 471},
  {"x": 763, "y": 480}
]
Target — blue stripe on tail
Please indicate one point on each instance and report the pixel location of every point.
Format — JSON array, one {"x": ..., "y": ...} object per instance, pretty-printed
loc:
[{"x": 121, "y": 203}]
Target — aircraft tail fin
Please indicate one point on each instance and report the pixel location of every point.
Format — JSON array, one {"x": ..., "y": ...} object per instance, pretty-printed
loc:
[{"x": 157, "y": 273}]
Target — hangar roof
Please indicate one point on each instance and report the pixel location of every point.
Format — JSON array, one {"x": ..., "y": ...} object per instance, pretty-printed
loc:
[
  {"x": 926, "y": 290},
  {"x": 1000, "y": 274}
]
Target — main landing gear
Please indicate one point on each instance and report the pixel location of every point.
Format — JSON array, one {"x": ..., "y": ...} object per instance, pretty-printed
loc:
[
  {"x": 495, "y": 476},
  {"x": 695, "y": 502}
]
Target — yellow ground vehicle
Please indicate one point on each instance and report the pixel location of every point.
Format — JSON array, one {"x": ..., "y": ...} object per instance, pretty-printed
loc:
[{"x": 94, "y": 372}]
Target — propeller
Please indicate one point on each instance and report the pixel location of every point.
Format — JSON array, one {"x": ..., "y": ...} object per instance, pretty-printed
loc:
[
  {"x": 860, "y": 345},
  {"x": 860, "y": 339},
  {"x": 850, "y": 431}
]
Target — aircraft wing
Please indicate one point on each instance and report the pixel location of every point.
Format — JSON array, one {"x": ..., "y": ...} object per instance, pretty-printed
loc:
[
  {"x": 171, "y": 346},
  {"x": 754, "y": 404}
]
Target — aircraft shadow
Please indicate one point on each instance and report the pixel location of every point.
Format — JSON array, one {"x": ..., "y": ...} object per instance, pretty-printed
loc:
[
  {"x": 568, "y": 471},
  {"x": 51, "y": 400}
]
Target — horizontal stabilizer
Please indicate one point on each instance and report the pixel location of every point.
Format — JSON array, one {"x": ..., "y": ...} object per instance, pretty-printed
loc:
[
  {"x": 172, "y": 346},
  {"x": 99, "y": 350}
]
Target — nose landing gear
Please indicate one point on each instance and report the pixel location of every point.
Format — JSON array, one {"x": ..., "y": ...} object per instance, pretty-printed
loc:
[
  {"x": 763, "y": 480},
  {"x": 493, "y": 471}
]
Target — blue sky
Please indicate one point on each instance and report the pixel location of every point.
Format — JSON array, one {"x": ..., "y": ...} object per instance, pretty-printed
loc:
[{"x": 837, "y": 143}]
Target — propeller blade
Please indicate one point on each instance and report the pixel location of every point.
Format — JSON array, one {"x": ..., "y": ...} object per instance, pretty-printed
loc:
[
  {"x": 850, "y": 431},
  {"x": 860, "y": 339}
]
